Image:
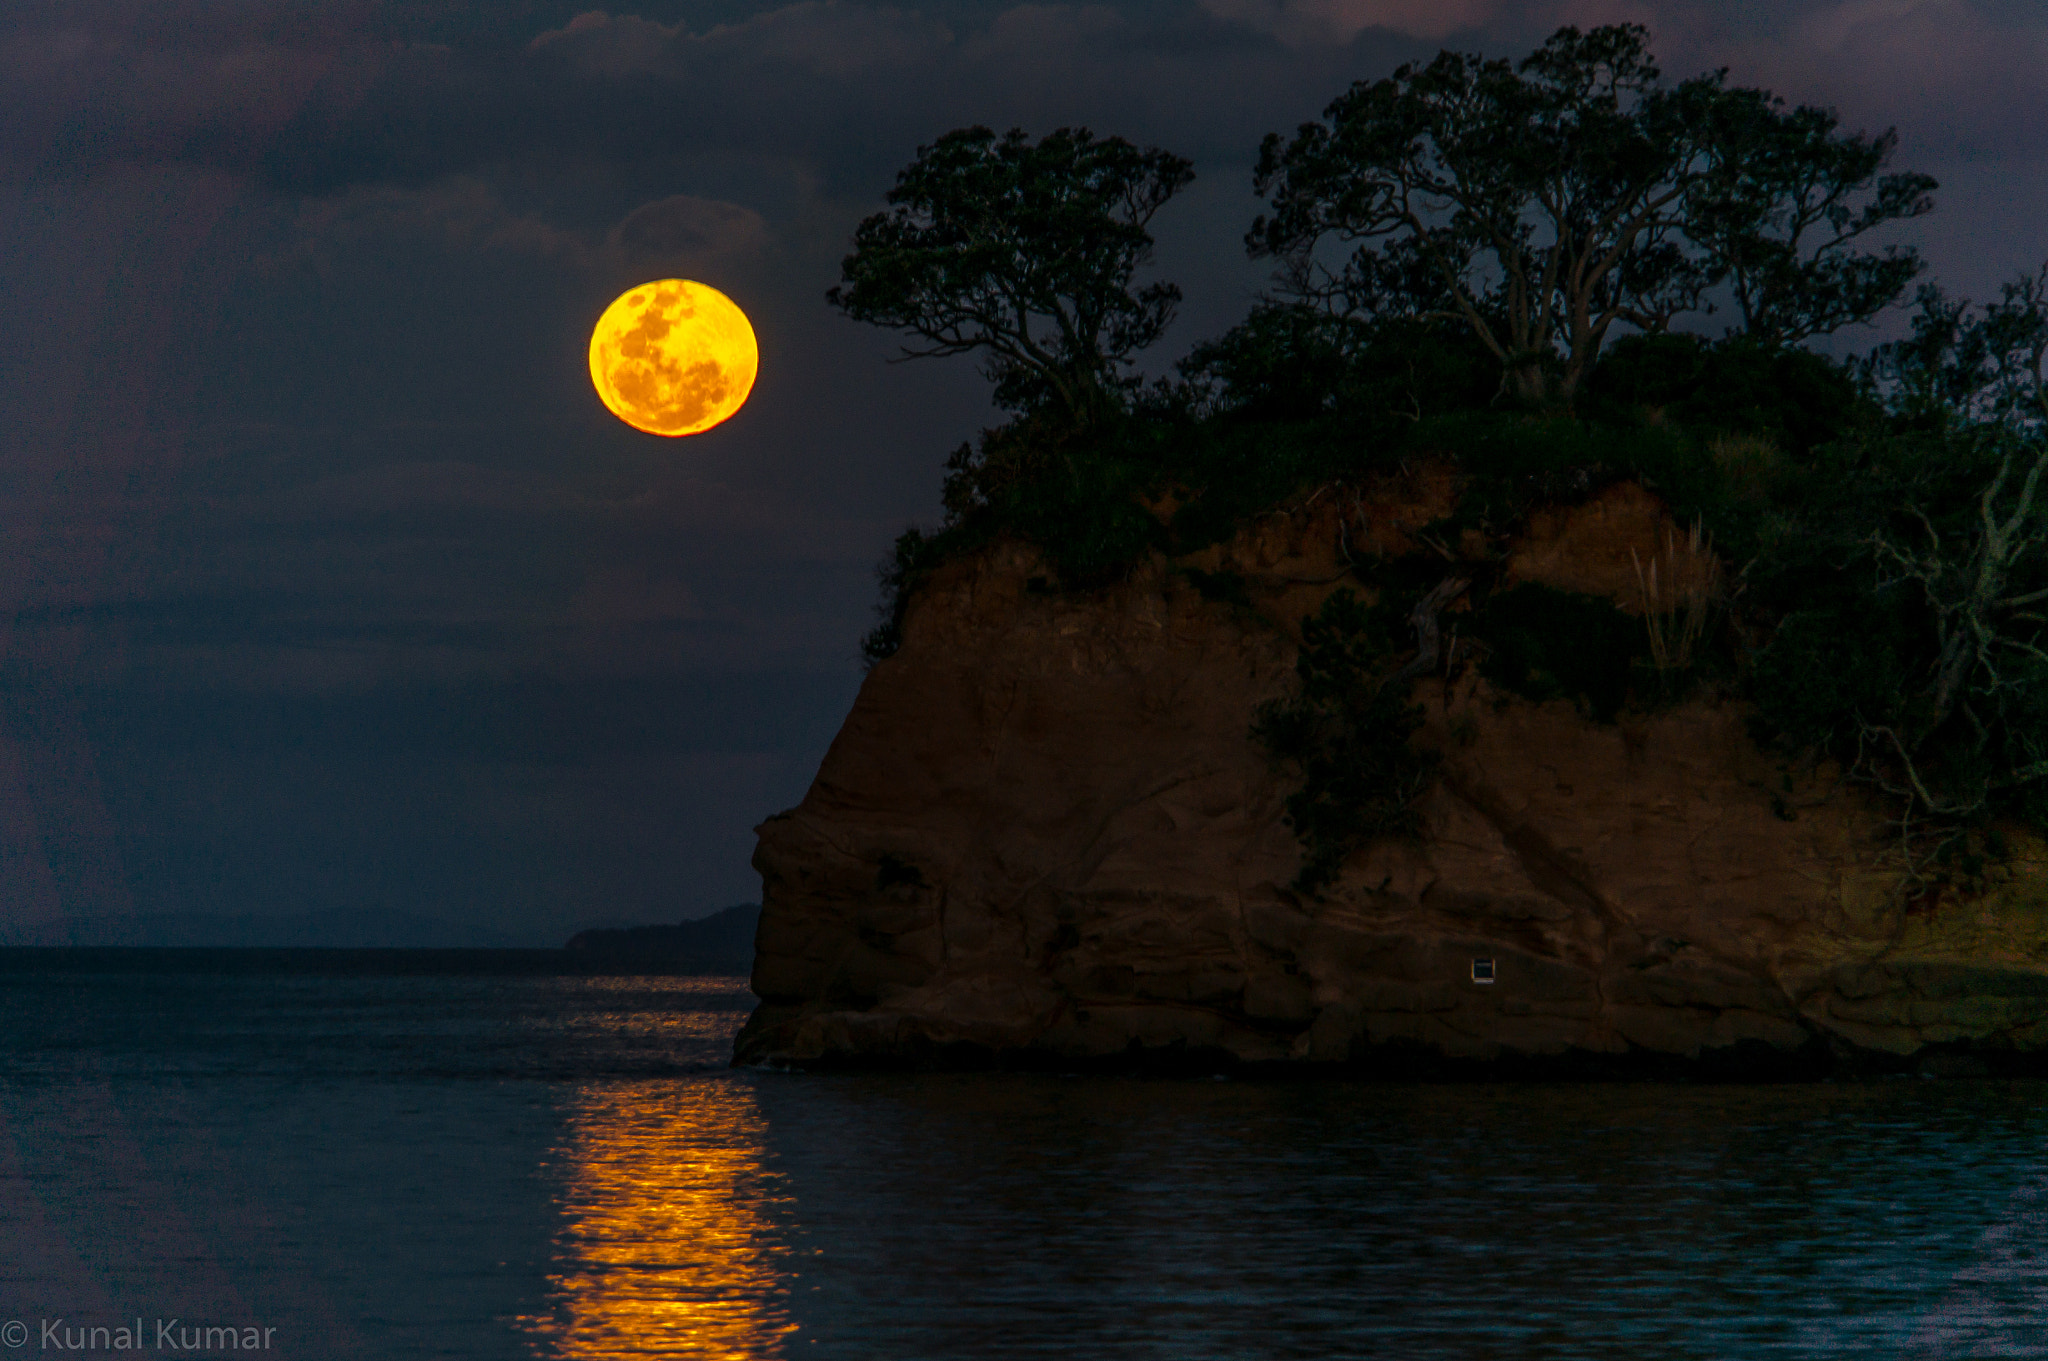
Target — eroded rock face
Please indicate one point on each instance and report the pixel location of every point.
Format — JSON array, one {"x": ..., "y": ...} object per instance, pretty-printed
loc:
[{"x": 1045, "y": 835}]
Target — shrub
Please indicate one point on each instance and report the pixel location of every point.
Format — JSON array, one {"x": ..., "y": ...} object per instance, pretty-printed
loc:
[
  {"x": 1825, "y": 671},
  {"x": 1282, "y": 362},
  {"x": 1515, "y": 463},
  {"x": 1678, "y": 586},
  {"x": 1347, "y": 731},
  {"x": 1546, "y": 644},
  {"x": 1076, "y": 495},
  {"x": 1734, "y": 386},
  {"x": 913, "y": 558},
  {"x": 1292, "y": 362}
]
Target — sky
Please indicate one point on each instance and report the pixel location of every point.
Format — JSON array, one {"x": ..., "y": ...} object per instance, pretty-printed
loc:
[{"x": 334, "y": 607}]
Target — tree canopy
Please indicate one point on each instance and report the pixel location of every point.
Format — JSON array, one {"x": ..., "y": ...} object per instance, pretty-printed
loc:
[
  {"x": 1783, "y": 198},
  {"x": 1541, "y": 202},
  {"x": 1025, "y": 252},
  {"x": 1963, "y": 363}
]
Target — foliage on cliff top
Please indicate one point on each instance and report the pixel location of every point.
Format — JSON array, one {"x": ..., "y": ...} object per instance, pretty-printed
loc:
[
  {"x": 1575, "y": 191},
  {"x": 1882, "y": 519},
  {"x": 1238, "y": 434}
]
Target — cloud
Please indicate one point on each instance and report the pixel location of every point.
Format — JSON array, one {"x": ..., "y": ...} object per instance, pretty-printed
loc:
[
  {"x": 848, "y": 89},
  {"x": 1340, "y": 20},
  {"x": 1959, "y": 79},
  {"x": 597, "y": 20},
  {"x": 683, "y": 227},
  {"x": 818, "y": 37},
  {"x": 77, "y": 98},
  {"x": 435, "y": 571},
  {"x": 843, "y": 88},
  {"x": 461, "y": 214},
  {"x": 596, "y": 42},
  {"x": 1487, "y": 23},
  {"x": 466, "y": 215}
]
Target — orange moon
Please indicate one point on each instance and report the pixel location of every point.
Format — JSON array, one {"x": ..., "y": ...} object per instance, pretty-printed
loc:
[{"x": 673, "y": 357}]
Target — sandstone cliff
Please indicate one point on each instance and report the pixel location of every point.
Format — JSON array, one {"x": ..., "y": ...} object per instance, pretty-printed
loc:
[{"x": 1045, "y": 835}]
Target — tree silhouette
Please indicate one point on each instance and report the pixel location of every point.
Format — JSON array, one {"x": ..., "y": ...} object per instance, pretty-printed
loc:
[
  {"x": 1542, "y": 202},
  {"x": 1025, "y": 252},
  {"x": 1784, "y": 198}
]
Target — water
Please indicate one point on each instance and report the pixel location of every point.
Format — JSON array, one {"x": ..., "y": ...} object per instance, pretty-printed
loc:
[{"x": 504, "y": 1163}]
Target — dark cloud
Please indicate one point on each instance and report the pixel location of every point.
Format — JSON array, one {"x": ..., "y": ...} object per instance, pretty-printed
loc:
[
  {"x": 844, "y": 87},
  {"x": 1961, "y": 81},
  {"x": 313, "y": 99},
  {"x": 683, "y": 227}
]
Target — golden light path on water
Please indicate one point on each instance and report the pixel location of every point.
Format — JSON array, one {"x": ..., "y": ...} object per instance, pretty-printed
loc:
[{"x": 665, "y": 1250}]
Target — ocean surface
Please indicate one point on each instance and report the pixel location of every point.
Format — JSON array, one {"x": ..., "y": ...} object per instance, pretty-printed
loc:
[{"x": 465, "y": 1155}]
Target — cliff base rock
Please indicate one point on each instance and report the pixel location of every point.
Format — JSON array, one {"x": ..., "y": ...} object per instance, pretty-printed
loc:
[{"x": 1046, "y": 838}]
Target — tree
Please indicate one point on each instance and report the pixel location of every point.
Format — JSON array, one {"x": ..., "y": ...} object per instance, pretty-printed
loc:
[
  {"x": 1542, "y": 202},
  {"x": 1987, "y": 366},
  {"x": 1972, "y": 728},
  {"x": 1967, "y": 729},
  {"x": 1026, "y": 252},
  {"x": 1782, "y": 199}
]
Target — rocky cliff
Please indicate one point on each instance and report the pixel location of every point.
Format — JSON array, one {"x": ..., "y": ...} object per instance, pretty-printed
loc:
[{"x": 1045, "y": 835}]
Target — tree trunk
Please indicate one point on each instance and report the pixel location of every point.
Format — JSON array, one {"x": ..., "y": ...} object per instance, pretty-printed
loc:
[{"x": 1536, "y": 386}]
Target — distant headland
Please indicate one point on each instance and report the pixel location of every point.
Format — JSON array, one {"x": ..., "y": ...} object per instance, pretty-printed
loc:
[{"x": 722, "y": 943}]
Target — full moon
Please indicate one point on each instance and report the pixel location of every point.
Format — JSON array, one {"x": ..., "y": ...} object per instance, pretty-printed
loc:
[{"x": 673, "y": 357}]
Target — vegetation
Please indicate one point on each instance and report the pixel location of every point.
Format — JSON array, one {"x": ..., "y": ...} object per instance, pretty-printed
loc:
[
  {"x": 1539, "y": 203},
  {"x": 1679, "y": 588},
  {"x": 1865, "y": 555},
  {"x": 1347, "y": 728},
  {"x": 1025, "y": 252},
  {"x": 1545, "y": 644}
]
